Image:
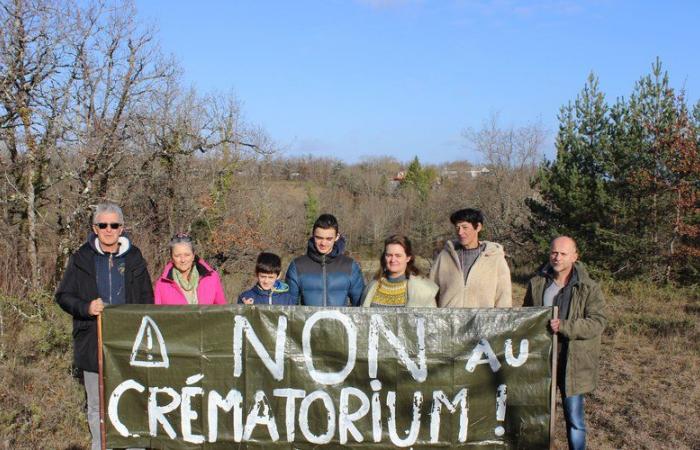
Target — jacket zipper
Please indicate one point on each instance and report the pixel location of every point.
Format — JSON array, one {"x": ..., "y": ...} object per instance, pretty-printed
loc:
[
  {"x": 109, "y": 277},
  {"x": 269, "y": 299},
  {"x": 325, "y": 287}
]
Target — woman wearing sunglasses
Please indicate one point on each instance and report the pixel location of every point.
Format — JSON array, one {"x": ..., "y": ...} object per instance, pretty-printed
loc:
[
  {"x": 398, "y": 282},
  {"x": 187, "y": 279}
]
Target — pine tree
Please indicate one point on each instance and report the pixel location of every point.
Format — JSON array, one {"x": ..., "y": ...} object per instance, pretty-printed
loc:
[
  {"x": 312, "y": 207},
  {"x": 419, "y": 178},
  {"x": 625, "y": 181},
  {"x": 574, "y": 187},
  {"x": 659, "y": 162}
]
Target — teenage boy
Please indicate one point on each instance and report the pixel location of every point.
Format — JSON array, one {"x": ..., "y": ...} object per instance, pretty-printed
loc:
[
  {"x": 471, "y": 273},
  {"x": 269, "y": 290},
  {"x": 325, "y": 276}
]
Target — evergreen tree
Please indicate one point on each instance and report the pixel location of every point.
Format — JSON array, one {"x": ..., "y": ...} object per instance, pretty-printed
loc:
[
  {"x": 419, "y": 178},
  {"x": 574, "y": 187},
  {"x": 625, "y": 181},
  {"x": 659, "y": 164},
  {"x": 417, "y": 184},
  {"x": 312, "y": 208}
]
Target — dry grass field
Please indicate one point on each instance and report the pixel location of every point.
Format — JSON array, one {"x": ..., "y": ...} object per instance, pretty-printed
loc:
[{"x": 648, "y": 396}]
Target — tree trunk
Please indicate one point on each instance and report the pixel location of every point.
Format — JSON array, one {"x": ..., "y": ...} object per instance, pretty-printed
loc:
[
  {"x": 35, "y": 276},
  {"x": 30, "y": 198}
]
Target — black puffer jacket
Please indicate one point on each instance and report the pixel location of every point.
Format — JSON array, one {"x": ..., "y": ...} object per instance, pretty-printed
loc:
[{"x": 79, "y": 287}]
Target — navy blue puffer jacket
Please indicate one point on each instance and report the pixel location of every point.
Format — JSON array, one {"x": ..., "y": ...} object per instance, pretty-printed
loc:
[
  {"x": 278, "y": 295},
  {"x": 325, "y": 280}
]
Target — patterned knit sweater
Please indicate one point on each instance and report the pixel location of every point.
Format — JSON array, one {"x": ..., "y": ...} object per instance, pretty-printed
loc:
[{"x": 391, "y": 292}]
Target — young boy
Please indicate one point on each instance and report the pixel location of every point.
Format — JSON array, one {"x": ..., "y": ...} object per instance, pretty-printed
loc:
[{"x": 269, "y": 290}]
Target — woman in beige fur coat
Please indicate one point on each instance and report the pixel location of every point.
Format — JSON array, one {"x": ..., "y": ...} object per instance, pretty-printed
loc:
[{"x": 471, "y": 273}]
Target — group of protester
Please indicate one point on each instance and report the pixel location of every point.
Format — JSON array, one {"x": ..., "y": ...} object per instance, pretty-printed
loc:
[{"x": 468, "y": 273}]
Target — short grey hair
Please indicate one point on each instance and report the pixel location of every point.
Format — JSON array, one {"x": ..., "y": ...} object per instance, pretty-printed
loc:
[
  {"x": 105, "y": 208},
  {"x": 181, "y": 238}
]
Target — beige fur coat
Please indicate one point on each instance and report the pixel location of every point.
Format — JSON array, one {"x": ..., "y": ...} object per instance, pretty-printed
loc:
[{"x": 487, "y": 286}]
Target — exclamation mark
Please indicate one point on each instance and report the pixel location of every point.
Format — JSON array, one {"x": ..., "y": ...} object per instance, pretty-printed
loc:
[
  {"x": 149, "y": 343},
  {"x": 500, "y": 408}
]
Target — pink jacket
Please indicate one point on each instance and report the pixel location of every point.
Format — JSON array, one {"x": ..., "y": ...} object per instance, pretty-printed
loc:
[{"x": 209, "y": 290}]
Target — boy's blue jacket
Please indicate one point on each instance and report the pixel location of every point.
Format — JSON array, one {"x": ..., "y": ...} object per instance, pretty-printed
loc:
[
  {"x": 278, "y": 295},
  {"x": 325, "y": 280}
]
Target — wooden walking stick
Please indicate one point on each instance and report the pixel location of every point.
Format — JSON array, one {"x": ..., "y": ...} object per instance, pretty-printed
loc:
[
  {"x": 103, "y": 437},
  {"x": 553, "y": 393}
]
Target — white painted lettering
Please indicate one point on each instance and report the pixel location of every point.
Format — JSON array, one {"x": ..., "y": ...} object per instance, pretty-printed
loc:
[
  {"x": 522, "y": 357},
  {"x": 113, "y": 408},
  {"x": 501, "y": 396},
  {"x": 412, "y": 435},
  {"x": 350, "y": 330},
  {"x": 290, "y": 413},
  {"x": 266, "y": 418},
  {"x": 346, "y": 419},
  {"x": 276, "y": 367},
  {"x": 482, "y": 354},
  {"x": 233, "y": 401},
  {"x": 440, "y": 399},
  {"x": 187, "y": 415},
  {"x": 304, "y": 418},
  {"x": 156, "y": 413},
  {"x": 376, "y": 411},
  {"x": 419, "y": 370}
]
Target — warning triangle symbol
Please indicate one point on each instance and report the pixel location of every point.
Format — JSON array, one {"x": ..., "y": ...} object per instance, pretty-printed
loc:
[{"x": 149, "y": 347}]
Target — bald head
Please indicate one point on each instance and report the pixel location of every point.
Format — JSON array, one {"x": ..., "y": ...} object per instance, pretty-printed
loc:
[
  {"x": 562, "y": 256},
  {"x": 565, "y": 241}
]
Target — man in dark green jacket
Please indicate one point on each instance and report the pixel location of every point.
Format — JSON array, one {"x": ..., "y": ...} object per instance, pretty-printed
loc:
[{"x": 564, "y": 282}]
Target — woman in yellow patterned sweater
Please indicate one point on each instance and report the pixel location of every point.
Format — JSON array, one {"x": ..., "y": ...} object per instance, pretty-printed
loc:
[{"x": 398, "y": 283}]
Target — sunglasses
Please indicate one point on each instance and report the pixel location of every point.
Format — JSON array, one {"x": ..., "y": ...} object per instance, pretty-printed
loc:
[
  {"x": 180, "y": 237},
  {"x": 103, "y": 225}
]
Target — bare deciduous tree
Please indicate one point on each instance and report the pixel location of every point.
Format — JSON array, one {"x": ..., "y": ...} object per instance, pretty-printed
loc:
[
  {"x": 511, "y": 155},
  {"x": 35, "y": 78},
  {"x": 117, "y": 68}
]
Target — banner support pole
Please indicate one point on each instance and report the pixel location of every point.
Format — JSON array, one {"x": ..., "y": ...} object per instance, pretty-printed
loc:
[
  {"x": 103, "y": 437},
  {"x": 553, "y": 393}
]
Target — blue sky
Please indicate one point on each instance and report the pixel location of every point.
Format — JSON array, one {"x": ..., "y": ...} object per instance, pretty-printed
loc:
[{"x": 400, "y": 78}]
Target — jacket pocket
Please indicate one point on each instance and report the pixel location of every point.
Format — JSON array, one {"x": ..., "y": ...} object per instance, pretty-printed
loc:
[{"x": 584, "y": 359}]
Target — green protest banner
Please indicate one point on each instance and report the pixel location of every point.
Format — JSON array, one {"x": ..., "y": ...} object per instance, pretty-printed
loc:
[{"x": 184, "y": 377}]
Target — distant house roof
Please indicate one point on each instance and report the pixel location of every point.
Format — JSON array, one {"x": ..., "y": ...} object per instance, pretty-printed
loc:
[
  {"x": 475, "y": 173},
  {"x": 451, "y": 173}
]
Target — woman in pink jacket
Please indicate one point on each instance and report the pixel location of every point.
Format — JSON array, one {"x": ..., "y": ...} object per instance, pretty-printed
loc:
[{"x": 187, "y": 279}]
